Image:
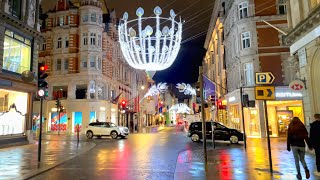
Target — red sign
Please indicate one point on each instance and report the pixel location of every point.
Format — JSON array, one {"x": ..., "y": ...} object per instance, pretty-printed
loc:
[{"x": 296, "y": 85}]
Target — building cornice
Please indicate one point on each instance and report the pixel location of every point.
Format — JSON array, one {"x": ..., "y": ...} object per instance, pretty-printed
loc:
[
  {"x": 23, "y": 27},
  {"x": 304, "y": 27}
]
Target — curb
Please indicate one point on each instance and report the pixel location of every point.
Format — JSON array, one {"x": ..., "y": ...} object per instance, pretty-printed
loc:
[{"x": 47, "y": 168}]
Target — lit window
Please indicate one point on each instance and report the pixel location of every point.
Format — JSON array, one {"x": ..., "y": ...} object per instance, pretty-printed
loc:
[
  {"x": 58, "y": 67},
  {"x": 67, "y": 42},
  {"x": 93, "y": 39},
  {"x": 248, "y": 74},
  {"x": 59, "y": 45},
  {"x": 66, "y": 64},
  {"x": 245, "y": 38},
  {"x": 92, "y": 61},
  {"x": 85, "y": 39},
  {"x": 16, "y": 54},
  {"x": 243, "y": 10},
  {"x": 85, "y": 18},
  {"x": 93, "y": 17},
  {"x": 61, "y": 21},
  {"x": 282, "y": 7}
]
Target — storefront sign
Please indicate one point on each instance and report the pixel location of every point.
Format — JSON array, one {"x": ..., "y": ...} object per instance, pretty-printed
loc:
[
  {"x": 5, "y": 83},
  {"x": 288, "y": 95},
  {"x": 297, "y": 85}
]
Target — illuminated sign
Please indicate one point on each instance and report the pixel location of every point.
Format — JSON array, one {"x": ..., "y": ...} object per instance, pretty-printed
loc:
[
  {"x": 231, "y": 99},
  {"x": 288, "y": 94}
]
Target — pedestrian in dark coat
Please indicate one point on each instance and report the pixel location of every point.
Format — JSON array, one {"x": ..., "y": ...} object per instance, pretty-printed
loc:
[
  {"x": 315, "y": 141},
  {"x": 297, "y": 135}
]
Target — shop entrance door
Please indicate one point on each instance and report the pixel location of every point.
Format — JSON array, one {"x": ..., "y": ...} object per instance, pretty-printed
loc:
[{"x": 77, "y": 121}]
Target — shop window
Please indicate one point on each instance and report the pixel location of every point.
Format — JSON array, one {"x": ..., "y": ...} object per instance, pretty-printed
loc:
[
  {"x": 93, "y": 17},
  {"x": 92, "y": 61},
  {"x": 60, "y": 92},
  {"x": 85, "y": 18},
  {"x": 245, "y": 39},
  {"x": 66, "y": 64},
  {"x": 85, "y": 38},
  {"x": 81, "y": 91},
  {"x": 66, "y": 42},
  {"x": 59, "y": 43},
  {"x": 84, "y": 62},
  {"x": 248, "y": 74},
  {"x": 243, "y": 10},
  {"x": 16, "y": 53},
  {"x": 93, "y": 39},
  {"x": 58, "y": 65},
  {"x": 15, "y": 8},
  {"x": 282, "y": 7}
]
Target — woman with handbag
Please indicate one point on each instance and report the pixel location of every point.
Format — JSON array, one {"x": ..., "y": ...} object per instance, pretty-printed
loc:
[{"x": 297, "y": 135}]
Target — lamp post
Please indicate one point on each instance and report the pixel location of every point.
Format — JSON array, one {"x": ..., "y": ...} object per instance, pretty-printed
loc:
[{"x": 138, "y": 104}]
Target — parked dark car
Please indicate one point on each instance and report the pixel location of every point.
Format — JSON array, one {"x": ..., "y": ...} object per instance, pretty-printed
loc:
[{"x": 221, "y": 132}]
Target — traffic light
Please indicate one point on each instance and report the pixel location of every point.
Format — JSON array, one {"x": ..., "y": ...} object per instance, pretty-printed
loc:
[
  {"x": 42, "y": 75},
  {"x": 58, "y": 104}
]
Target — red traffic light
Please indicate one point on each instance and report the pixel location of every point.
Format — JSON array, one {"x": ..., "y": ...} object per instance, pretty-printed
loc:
[
  {"x": 43, "y": 68},
  {"x": 123, "y": 102}
]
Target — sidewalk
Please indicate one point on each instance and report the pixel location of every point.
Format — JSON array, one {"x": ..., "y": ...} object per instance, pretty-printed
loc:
[
  {"x": 233, "y": 162},
  {"x": 21, "y": 162}
]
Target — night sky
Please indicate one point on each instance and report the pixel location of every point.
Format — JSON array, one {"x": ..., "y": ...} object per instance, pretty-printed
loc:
[{"x": 195, "y": 13}]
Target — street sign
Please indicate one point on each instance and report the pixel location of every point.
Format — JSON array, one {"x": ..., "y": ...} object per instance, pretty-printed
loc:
[
  {"x": 297, "y": 85},
  {"x": 265, "y": 92},
  {"x": 264, "y": 78}
]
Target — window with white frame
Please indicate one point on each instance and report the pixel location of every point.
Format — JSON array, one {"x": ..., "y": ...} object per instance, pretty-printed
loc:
[
  {"x": 243, "y": 10},
  {"x": 84, "y": 61},
  {"x": 93, "y": 17},
  {"x": 61, "y": 21},
  {"x": 282, "y": 6},
  {"x": 85, "y": 18},
  {"x": 99, "y": 63},
  {"x": 66, "y": 64},
  {"x": 92, "y": 61},
  {"x": 85, "y": 38},
  {"x": 93, "y": 39},
  {"x": 99, "y": 40},
  {"x": 66, "y": 41},
  {"x": 58, "y": 66},
  {"x": 59, "y": 45},
  {"x": 248, "y": 74},
  {"x": 245, "y": 39}
]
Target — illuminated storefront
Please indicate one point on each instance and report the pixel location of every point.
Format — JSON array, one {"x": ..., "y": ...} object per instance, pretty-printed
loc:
[{"x": 13, "y": 109}]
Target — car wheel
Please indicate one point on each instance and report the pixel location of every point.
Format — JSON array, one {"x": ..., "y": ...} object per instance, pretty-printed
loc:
[
  {"x": 234, "y": 139},
  {"x": 195, "y": 137},
  {"x": 99, "y": 137},
  {"x": 89, "y": 134},
  {"x": 114, "y": 134}
]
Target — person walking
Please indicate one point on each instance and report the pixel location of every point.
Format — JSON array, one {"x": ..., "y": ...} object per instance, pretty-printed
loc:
[
  {"x": 315, "y": 141},
  {"x": 297, "y": 135}
]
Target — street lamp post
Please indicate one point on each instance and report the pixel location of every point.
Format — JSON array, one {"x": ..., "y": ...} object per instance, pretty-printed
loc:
[{"x": 138, "y": 103}]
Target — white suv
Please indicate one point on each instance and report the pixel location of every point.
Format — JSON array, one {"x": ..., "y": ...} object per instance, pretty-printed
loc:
[{"x": 100, "y": 129}]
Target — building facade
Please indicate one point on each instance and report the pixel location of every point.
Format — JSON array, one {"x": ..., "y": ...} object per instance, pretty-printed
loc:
[
  {"x": 87, "y": 71},
  {"x": 303, "y": 38},
  {"x": 19, "y": 39},
  {"x": 214, "y": 63},
  {"x": 250, "y": 46}
]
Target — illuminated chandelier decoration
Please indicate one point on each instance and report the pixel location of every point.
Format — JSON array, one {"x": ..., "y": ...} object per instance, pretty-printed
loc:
[
  {"x": 156, "y": 89},
  {"x": 150, "y": 49},
  {"x": 186, "y": 89},
  {"x": 181, "y": 108}
]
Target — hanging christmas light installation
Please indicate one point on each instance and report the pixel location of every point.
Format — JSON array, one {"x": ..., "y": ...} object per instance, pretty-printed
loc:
[
  {"x": 186, "y": 89},
  {"x": 146, "y": 47}
]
